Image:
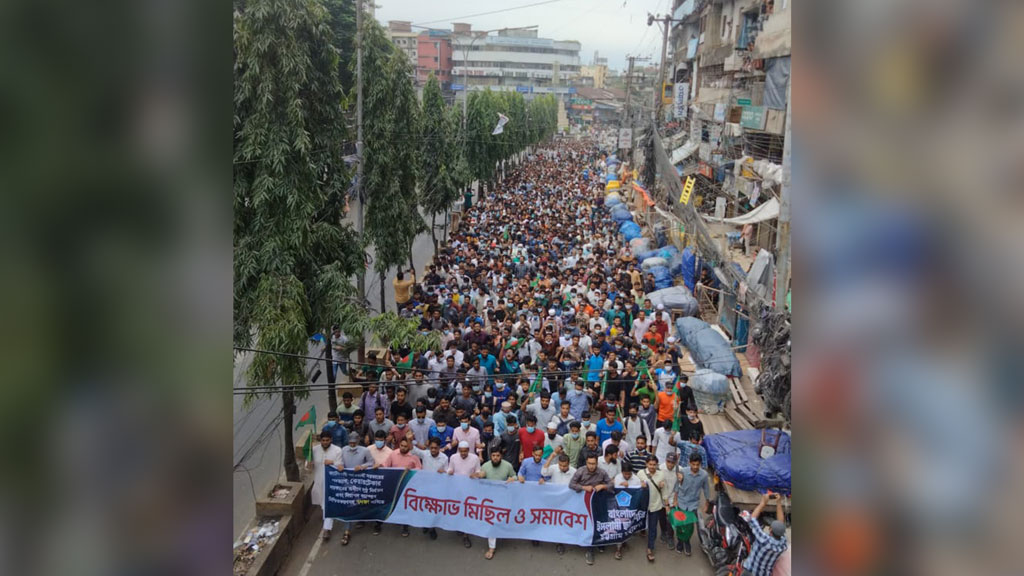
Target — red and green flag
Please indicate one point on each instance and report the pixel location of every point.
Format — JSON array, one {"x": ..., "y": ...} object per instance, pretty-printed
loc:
[{"x": 308, "y": 419}]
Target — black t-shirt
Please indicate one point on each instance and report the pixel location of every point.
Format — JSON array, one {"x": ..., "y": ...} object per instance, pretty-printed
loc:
[
  {"x": 686, "y": 427},
  {"x": 398, "y": 409}
]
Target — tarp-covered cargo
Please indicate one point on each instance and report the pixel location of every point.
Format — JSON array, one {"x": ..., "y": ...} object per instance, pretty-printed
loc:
[
  {"x": 735, "y": 456},
  {"x": 675, "y": 298},
  {"x": 707, "y": 347}
]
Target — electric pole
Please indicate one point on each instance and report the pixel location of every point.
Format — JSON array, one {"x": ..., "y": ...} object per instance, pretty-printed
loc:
[
  {"x": 628, "y": 112},
  {"x": 659, "y": 89},
  {"x": 360, "y": 197},
  {"x": 783, "y": 242}
]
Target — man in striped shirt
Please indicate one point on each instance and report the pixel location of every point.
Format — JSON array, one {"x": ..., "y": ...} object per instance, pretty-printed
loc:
[{"x": 767, "y": 548}]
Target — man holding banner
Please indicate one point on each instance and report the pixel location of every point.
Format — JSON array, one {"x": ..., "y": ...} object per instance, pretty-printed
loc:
[
  {"x": 324, "y": 454},
  {"x": 496, "y": 469},
  {"x": 464, "y": 464},
  {"x": 591, "y": 479}
]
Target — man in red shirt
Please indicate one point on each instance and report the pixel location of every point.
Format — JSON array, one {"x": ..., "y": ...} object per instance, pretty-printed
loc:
[
  {"x": 529, "y": 437},
  {"x": 403, "y": 458}
]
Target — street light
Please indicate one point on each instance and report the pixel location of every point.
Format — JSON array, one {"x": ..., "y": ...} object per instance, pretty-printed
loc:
[{"x": 465, "y": 61}]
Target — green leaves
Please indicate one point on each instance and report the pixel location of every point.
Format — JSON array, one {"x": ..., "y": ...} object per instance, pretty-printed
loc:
[{"x": 293, "y": 255}]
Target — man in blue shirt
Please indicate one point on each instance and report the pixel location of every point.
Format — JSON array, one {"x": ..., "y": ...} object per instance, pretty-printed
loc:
[
  {"x": 488, "y": 361},
  {"x": 607, "y": 426},
  {"x": 339, "y": 434},
  {"x": 579, "y": 399},
  {"x": 531, "y": 467},
  {"x": 766, "y": 549},
  {"x": 594, "y": 365}
]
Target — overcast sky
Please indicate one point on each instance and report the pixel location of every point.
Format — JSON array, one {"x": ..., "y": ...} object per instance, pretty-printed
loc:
[{"x": 614, "y": 28}]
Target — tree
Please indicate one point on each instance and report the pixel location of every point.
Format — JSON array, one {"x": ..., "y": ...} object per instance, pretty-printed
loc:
[
  {"x": 439, "y": 155},
  {"x": 391, "y": 135},
  {"x": 293, "y": 256}
]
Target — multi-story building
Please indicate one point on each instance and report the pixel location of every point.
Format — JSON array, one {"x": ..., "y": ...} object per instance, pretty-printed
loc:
[
  {"x": 512, "y": 60},
  {"x": 596, "y": 73},
  {"x": 731, "y": 66},
  {"x": 435, "y": 55},
  {"x": 401, "y": 35}
]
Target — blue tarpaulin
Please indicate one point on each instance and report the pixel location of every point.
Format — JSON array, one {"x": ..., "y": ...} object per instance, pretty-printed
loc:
[
  {"x": 689, "y": 268},
  {"x": 707, "y": 347},
  {"x": 621, "y": 214},
  {"x": 630, "y": 230},
  {"x": 735, "y": 457}
]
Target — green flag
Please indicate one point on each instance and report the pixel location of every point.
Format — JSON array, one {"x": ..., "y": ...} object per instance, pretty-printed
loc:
[
  {"x": 307, "y": 449},
  {"x": 536, "y": 383},
  {"x": 308, "y": 419}
]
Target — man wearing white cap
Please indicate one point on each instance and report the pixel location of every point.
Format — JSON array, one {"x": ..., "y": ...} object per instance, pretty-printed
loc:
[
  {"x": 660, "y": 312},
  {"x": 465, "y": 463}
]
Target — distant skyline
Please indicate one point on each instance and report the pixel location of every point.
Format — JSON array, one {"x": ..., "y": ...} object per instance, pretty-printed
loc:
[{"x": 614, "y": 28}]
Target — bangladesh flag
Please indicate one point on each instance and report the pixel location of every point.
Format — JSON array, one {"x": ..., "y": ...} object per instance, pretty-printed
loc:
[
  {"x": 683, "y": 522},
  {"x": 536, "y": 383},
  {"x": 308, "y": 419},
  {"x": 307, "y": 448}
]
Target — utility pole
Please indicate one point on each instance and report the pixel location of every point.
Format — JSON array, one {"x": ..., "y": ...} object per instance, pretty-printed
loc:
[
  {"x": 629, "y": 119},
  {"x": 782, "y": 246},
  {"x": 666, "y": 22},
  {"x": 626, "y": 112},
  {"x": 359, "y": 156}
]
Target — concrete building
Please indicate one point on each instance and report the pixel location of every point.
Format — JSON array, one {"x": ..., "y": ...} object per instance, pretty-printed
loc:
[
  {"x": 434, "y": 49},
  {"x": 401, "y": 35},
  {"x": 512, "y": 60}
]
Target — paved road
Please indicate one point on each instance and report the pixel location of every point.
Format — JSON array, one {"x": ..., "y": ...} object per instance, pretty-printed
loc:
[
  {"x": 390, "y": 554},
  {"x": 265, "y": 466}
]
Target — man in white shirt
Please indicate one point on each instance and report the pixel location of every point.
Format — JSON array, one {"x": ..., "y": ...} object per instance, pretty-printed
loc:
[
  {"x": 435, "y": 364},
  {"x": 421, "y": 426},
  {"x": 453, "y": 351},
  {"x": 561, "y": 473},
  {"x": 610, "y": 463},
  {"x": 324, "y": 454},
  {"x": 665, "y": 441},
  {"x": 640, "y": 326},
  {"x": 552, "y": 440},
  {"x": 670, "y": 469}
]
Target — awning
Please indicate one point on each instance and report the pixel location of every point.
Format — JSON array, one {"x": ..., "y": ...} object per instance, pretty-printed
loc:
[
  {"x": 647, "y": 197},
  {"x": 683, "y": 152},
  {"x": 767, "y": 211}
]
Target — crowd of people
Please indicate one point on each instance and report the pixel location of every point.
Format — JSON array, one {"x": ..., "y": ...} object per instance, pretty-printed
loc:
[{"x": 554, "y": 367}]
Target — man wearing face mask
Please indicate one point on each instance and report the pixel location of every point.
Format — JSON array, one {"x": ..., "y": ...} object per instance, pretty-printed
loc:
[
  {"x": 397, "y": 432},
  {"x": 380, "y": 453},
  {"x": 482, "y": 419},
  {"x": 466, "y": 433},
  {"x": 530, "y": 437},
  {"x": 443, "y": 432},
  {"x": 573, "y": 441},
  {"x": 421, "y": 426},
  {"x": 553, "y": 440},
  {"x": 511, "y": 446},
  {"x": 405, "y": 459},
  {"x": 501, "y": 417},
  {"x": 357, "y": 458}
]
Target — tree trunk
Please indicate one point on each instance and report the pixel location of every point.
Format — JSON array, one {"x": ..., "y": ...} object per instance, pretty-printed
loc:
[
  {"x": 412, "y": 264},
  {"x": 382, "y": 280},
  {"x": 433, "y": 235},
  {"x": 332, "y": 396},
  {"x": 291, "y": 469},
  {"x": 446, "y": 216}
]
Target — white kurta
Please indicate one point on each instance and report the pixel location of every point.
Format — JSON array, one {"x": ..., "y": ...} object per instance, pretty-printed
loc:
[{"x": 333, "y": 453}]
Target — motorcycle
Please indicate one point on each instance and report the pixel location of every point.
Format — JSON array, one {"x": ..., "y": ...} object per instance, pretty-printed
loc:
[{"x": 724, "y": 537}]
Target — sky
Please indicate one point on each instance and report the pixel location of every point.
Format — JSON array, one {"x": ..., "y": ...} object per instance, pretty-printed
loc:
[{"x": 614, "y": 28}]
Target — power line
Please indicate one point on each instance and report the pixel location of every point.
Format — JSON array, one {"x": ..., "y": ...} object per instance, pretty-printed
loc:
[{"x": 452, "y": 19}]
